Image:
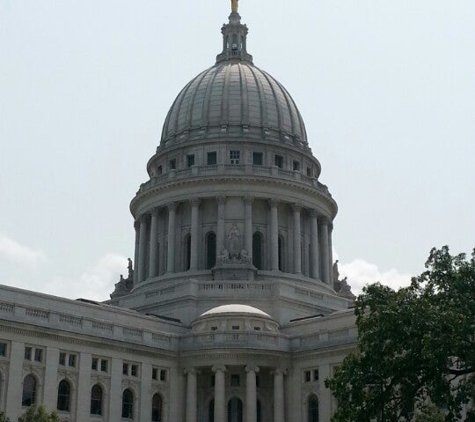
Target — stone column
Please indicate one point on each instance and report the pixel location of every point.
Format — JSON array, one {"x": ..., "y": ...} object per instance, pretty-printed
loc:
[
  {"x": 219, "y": 394},
  {"x": 171, "y": 237},
  {"x": 324, "y": 251},
  {"x": 136, "y": 256},
  {"x": 274, "y": 239},
  {"x": 220, "y": 225},
  {"x": 330, "y": 253},
  {"x": 142, "y": 249},
  {"x": 251, "y": 394},
  {"x": 195, "y": 210},
  {"x": 297, "y": 239},
  {"x": 153, "y": 264},
  {"x": 248, "y": 225},
  {"x": 279, "y": 409},
  {"x": 191, "y": 394},
  {"x": 314, "y": 261}
]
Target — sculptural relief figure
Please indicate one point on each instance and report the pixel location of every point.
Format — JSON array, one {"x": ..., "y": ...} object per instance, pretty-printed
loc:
[
  {"x": 234, "y": 242},
  {"x": 234, "y": 6}
]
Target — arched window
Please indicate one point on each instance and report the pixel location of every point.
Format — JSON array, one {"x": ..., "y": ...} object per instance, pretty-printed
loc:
[
  {"x": 128, "y": 404},
  {"x": 210, "y": 250},
  {"x": 235, "y": 410},
  {"x": 187, "y": 252},
  {"x": 96, "y": 400},
  {"x": 211, "y": 411},
  {"x": 313, "y": 409},
  {"x": 157, "y": 405},
  {"x": 64, "y": 396},
  {"x": 29, "y": 391},
  {"x": 281, "y": 253},
  {"x": 257, "y": 250}
]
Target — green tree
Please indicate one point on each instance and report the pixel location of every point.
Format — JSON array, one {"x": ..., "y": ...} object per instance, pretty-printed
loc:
[
  {"x": 3, "y": 417},
  {"x": 38, "y": 414},
  {"x": 415, "y": 346},
  {"x": 430, "y": 414}
]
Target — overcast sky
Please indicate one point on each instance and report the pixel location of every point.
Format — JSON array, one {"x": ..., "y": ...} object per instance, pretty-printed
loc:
[{"x": 386, "y": 88}]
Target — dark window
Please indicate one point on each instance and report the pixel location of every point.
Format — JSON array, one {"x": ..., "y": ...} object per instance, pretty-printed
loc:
[
  {"x": 159, "y": 170},
  {"x": 279, "y": 161},
  {"x": 257, "y": 328},
  {"x": 104, "y": 365},
  {"x": 315, "y": 375},
  {"x": 234, "y": 157},
  {"x": 257, "y": 158},
  {"x": 125, "y": 369},
  {"x": 163, "y": 375},
  {"x": 3, "y": 349},
  {"x": 72, "y": 360},
  {"x": 127, "y": 404},
  {"x": 28, "y": 351},
  {"x": 29, "y": 391},
  {"x": 212, "y": 158},
  {"x": 309, "y": 171},
  {"x": 210, "y": 250},
  {"x": 257, "y": 250},
  {"x": 64, "y": 396},
  {"x": 313, "y": 409},
  {"x": 281, "y": 253},
  {"x": 96, "y": 400},
  {"x": 157, "y": 408},
  {"x": 95, "y": 364},
  {"x": 235, "y": 410},
  {"x": 38, "y": 355},
  {"x": 308, "y": 376},
  {"x": 62, "y": 359},
  {"x": 259, "y": 411},
  {"x": 236, "y": 327},
  {"x": 235, "y": 380},
  {"x": 190, "y": 160},
  {"x": 172, "y": 164},
  {"x": 211, "y": 411},
  {"x": 213, "y": 380},
  {"x": 134, "y": 370},
  {"x": 296, "y": 165},
  {"x": 154, "y": 373},
  {"x": 187, "y": 252}
]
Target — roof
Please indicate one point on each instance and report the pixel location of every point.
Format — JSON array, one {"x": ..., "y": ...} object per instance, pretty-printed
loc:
[{"x": 236, "y": 309}]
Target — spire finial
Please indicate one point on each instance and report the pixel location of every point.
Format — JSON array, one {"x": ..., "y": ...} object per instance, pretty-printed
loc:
[{"x": 234, "y": 6}]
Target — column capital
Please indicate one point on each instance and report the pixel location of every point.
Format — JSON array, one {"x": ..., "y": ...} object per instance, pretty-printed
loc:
[
  {"x": 137, "y": 224},
  {"x": 297, "y": 208},
  {"x": 279, "y": 371},
  {"x": 221, "y": 199},
  {"x": 313, "y": 213},
  {"x": 248, "y": 199},
  {"x": 219, "y": 368},
  {"x": 155, "y": 211},
  {"x": 195, "y": 202},
  {"x": 172, "y": 206},
  {"x": 252, "y": 368},
  {"x": 323, "y": 220},
  {"x": 142, "y": 218},
  {"x": 191, "y": 370},
  {"x": 273, "y": 202}
]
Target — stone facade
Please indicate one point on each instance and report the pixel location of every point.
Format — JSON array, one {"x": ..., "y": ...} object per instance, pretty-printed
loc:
[{"x": 230, "y": 313}]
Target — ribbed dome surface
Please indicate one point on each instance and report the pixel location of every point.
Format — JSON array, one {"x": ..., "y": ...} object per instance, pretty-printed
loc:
[{"x": 234, "y": 98}]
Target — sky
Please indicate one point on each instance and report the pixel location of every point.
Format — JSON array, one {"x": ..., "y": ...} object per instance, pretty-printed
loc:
[{"x": 386, "y": 88}]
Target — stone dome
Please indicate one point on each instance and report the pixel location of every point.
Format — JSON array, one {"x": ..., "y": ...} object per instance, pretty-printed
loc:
[{"x": 234, "y": 99}]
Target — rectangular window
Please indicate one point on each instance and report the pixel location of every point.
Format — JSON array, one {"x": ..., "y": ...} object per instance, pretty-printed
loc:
[
  {"x": 172, "y": 164},
  {"x": 155, "y": 374},
  {"x": 62, "y": 359},
  {"x": 163, "y": 375},
  {"x": 104, "y": 365},
  {"x": 95, "y": 364},
  {"x": 235, "y": 380},
  {"x": 28, "y": 351},
  {"x": 212, "y": 159},
  {"x": 234, "y": 157},
  {"x": 236, "y": 327},
  {"x": 279, "y": 161},
  {"x": 134, "y": 370},
  {"x": 190, "y": 160},
  {"x": 159, "y": 170},
  {"x": 72, "y": 361},
  {"x": 38, "y": 355},
  {"x": 309, "y": 172},
  {"x": 315, "y": 375},
  {"x": 257, "y": 158},
  {"x": 296, "y": 165},
  {"x": 307, "y": 376},
  {"x": 3, "y": 349},
  {"x": 125, "y": 369}
]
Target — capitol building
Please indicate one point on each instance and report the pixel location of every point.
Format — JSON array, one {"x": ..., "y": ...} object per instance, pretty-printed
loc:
[{"x": 232, "y": 309}]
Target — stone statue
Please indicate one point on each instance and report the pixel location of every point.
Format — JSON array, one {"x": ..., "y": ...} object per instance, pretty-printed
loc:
[
  {"x": 234, "y": 6},
  {"x": 125, "y": 285},
  {"x": 234, "y": 242},
  {"x": 336, "y": 272},
  {"x": 130, "y": 269}
]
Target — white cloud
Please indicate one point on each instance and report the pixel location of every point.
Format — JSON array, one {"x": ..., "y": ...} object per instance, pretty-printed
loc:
[
  {"x": 14, "y": 252},
  {"x": 96, "y": 283},
  {"x": 360, "y": 273}
]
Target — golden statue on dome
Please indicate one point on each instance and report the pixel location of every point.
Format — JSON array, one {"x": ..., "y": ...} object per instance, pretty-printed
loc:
[{"x": 234, "y": 6}]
